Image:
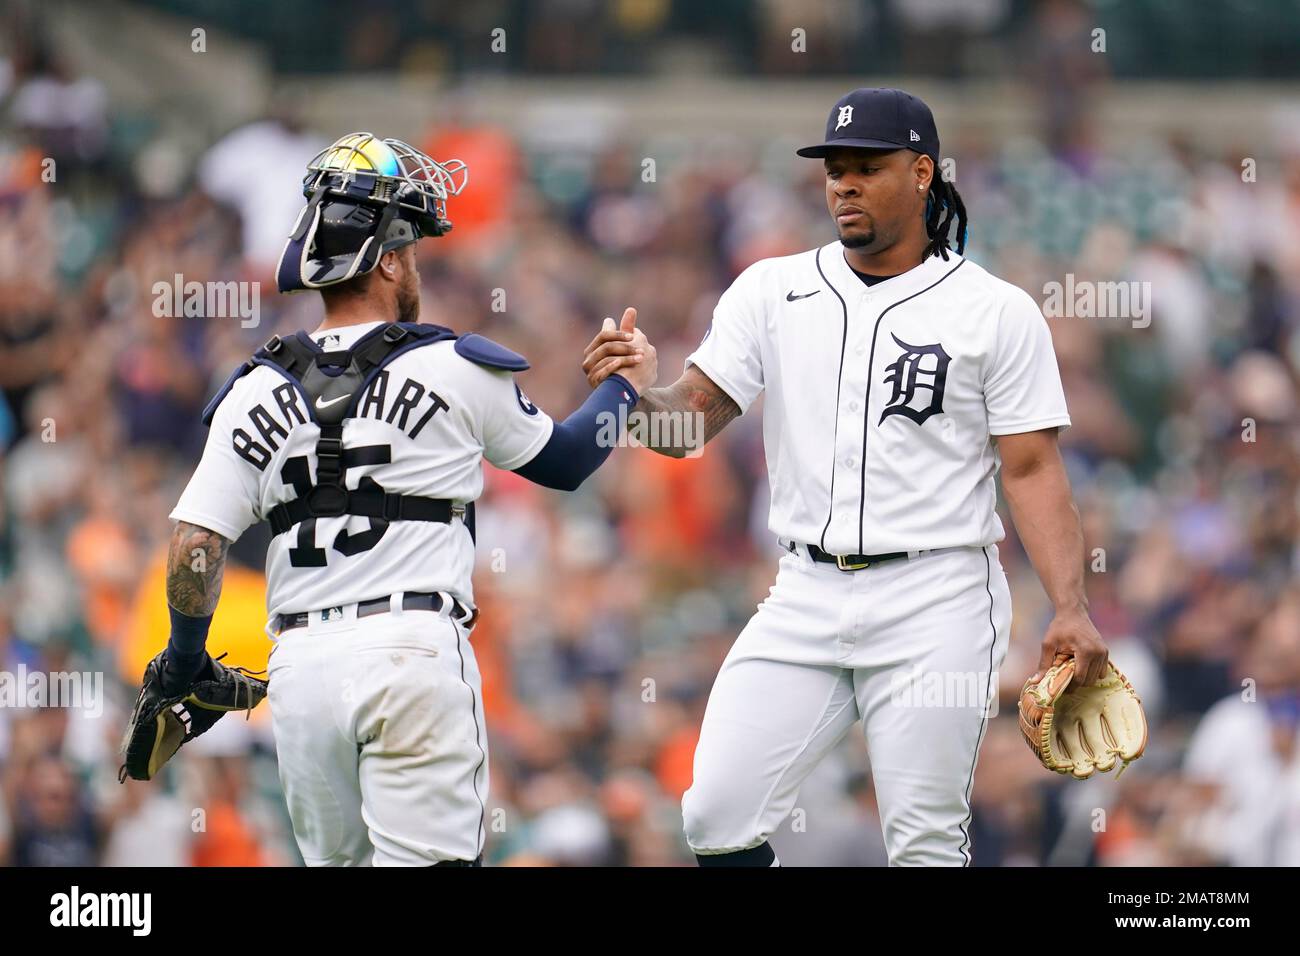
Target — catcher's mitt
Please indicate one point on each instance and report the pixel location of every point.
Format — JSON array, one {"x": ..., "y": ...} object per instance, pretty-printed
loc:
[
  {"x": 161, "y": 723},
  {"x": 1080, "y": 730}
]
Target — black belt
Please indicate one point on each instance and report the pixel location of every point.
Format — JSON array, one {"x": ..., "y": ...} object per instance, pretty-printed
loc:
[
  {"x": 410, "y": 602},
  {"x": 853, "y": 562}
]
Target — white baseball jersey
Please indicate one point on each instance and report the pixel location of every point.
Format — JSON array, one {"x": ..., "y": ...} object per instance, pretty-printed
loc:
[
  {"x": 423, "y": 427},
  {"x": 880, "y": 402}
]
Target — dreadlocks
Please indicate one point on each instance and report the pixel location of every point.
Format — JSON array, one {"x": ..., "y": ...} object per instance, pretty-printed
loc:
[{"x": 944, "y": 206}]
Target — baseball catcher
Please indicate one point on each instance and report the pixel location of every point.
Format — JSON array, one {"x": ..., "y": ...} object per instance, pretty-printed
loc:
[
  {"x": 1080, "y": 730},
  {"x": 362, "y": 444}
]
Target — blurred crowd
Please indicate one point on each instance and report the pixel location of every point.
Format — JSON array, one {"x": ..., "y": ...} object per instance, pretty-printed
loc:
[
  {"x": 940, "y": 38},
  {"x": 606, "y": 613}
]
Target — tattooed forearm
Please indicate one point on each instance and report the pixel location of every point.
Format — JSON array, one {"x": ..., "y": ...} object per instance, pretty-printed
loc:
[
  {"x": 196, "y": 560},
  {"x": 682, "y": 417}
]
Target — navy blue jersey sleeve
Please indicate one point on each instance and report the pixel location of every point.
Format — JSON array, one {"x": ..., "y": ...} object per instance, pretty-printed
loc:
[{"x": 581, "y": 443}]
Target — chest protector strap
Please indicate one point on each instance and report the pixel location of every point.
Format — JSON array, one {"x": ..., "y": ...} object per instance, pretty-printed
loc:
[{"x": 332, "y": 383}]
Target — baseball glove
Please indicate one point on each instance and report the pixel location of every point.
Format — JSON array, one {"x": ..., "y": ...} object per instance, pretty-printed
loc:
[
  {"x": 161, "y": 723},
  {"x": 1080, "y": 730}
]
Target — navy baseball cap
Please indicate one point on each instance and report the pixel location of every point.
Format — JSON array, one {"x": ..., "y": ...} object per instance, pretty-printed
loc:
[{"x": 873, "y": 118}]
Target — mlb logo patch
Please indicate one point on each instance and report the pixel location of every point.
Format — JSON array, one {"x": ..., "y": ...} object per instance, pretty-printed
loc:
[
  {"x": 525, "y": 403},
  {"x": 331, "y": 614}
]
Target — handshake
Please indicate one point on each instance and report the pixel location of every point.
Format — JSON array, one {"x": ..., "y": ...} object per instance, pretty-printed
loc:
[{"x": 624, "y": 349}]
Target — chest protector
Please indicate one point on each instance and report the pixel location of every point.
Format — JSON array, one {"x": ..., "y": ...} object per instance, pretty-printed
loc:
[{"x": 332, "y": 385}]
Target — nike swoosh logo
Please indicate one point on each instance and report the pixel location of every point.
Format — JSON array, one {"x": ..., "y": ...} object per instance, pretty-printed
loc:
[
  {"x": 332, "y": 401},
  {"x": 791, "y": 297}
]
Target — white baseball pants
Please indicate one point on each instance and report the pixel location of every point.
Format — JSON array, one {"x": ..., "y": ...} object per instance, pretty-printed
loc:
[
  {"x": 911, "y": 647},
  {"x": 380, "y": 738}
]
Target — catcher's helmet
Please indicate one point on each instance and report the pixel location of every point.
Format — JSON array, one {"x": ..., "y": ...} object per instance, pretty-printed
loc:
[{"x": 366, "y": 196}]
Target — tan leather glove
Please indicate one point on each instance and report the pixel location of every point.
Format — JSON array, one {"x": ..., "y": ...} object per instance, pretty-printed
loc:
[{"x": 1080, "y": 730}]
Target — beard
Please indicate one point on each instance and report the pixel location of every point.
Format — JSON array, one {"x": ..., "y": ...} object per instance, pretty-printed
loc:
[
  {"x": 408, "y": 303},
  {"x": 858, "y": 241}
]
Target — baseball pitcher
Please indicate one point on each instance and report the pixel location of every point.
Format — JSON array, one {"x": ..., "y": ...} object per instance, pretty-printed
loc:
[{"x": 898, "y": 377}]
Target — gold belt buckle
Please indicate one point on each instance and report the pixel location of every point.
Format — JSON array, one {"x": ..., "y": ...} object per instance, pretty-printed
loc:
[{"x": 844, "y": 565}]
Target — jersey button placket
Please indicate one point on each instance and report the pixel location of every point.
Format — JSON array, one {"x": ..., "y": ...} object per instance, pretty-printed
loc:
[
  {"x": 851, "y": 620},
  {"x": 849, "y": 444}
]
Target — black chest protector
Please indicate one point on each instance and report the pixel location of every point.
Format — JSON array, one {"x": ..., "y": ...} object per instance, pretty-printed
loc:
[{"x": 332, "y": 384}]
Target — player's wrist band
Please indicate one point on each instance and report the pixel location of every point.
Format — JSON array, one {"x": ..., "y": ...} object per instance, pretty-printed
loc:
[
  {"x": 627, "y": 385},
  {"x": 189, "y": 634},
  {"x": 185, "y": 646}
]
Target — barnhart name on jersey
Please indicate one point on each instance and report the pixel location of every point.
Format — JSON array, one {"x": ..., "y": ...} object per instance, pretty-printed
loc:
[{"x": 412, "y": 405}]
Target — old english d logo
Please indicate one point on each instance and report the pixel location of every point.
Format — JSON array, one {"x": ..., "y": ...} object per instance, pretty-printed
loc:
[{"x": 919, "y": 367}]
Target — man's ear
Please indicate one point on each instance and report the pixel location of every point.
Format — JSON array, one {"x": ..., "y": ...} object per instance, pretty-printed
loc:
[
  {"x": 390, "y": 263},
  {"x": 924, "y": 170}
]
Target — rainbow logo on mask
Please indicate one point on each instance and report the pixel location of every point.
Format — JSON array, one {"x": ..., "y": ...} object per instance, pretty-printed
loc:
[{"x": 360, "y": 153}]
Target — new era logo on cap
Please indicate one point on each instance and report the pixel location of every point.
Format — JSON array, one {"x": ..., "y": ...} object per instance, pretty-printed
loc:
[{"x": 872, "y": 118}]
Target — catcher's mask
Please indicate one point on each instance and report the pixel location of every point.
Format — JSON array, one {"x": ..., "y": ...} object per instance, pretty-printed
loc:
[{"x": 365, "y": 196}]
